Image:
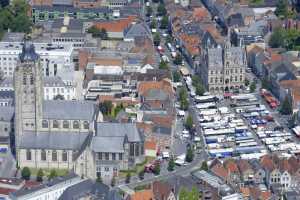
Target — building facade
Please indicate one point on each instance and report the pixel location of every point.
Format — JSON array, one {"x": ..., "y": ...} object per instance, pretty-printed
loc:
[{"x": 223, "y": 68}]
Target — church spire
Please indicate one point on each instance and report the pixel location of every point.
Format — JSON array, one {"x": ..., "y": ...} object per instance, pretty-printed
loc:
[{"x": 28, "y": 52}]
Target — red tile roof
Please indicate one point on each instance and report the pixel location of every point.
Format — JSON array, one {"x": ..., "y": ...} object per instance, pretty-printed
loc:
[
  {"x": 220, "y": 171},
  {"x": 115, "y": 25},
  {"x": 142, "y": 195}
]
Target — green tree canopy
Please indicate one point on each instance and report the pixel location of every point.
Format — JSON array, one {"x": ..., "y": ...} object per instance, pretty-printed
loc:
[
  {"x": 252, "y": 87},
  {"x": 176, "y": 76},
  {"x": 164, "y": 22},
  {"x": 153, "y": 24},
  {"x": 52, "y": 174},
  {"x": 26, "y": 173},
  {"x": 113, "y": 182},
  {"x": 161, "y": 10},
  {"x": 184, "y": 104},
  {"x": 40, "y": 175},
  {"x": 156, "y": 39},
  {"x": 128, "y": 177},
  {"x": 204, "y": 166},
  {"x": 163, "y": 65},
  {"x": 171, "y": 165},
  {"x": 189, "y": 122},
  {"x": 282, "y": 8},
  {"x": 178, "y": 59},
  {"x": 106, "y": 107},
  {"x": 149, "y": 11},
  {"x": 286, "y": 106},
  {"x": 156, "y": 169},
  {"x": 189, "y": 154}
]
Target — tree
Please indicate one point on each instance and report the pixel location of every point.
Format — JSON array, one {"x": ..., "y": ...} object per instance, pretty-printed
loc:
[
  {"x": 282, "y": 8},
  {"x": 163, "y": 65},
  {"x": 106, "y": 107},
  {"x": 183, "y": 194},
  {"x": 189, "y": 154},
  {"x": 178, "y": 59},
  {"x": 153, "y": 24},
  {"x": 286, "y": 107},
  {"x": 204, "y": 166},
  {"x": 141, "y": 174},
  {"x": 40, "y": 175},
  {"x": 161, "y": 10},
  {"x": 200, "y": 89},
  {"x": 103, "y": 34},
  {"x": 169, "y": 39},
  {"x": 194, "y": 194},
  {"x": 277, "y": 38},
  {"x": 164, "y": 22},
  {"x": 4, "y": 3},
  {"x": 26, "y": 173},
  {"x": 171, "y": 164},
  {"x": 247, "y": 82},
  {"x": 94, "y": 31},
  {"x": 252, "y": 87},
  {"x": 189, "y": 122},
  {"x": 156, "y": 39},
  {"x": 113, "y": 182},
  {"x": 176, "y": 76},
  {"x": 128, "y": 176},
  {"x": 52, "y": 174},
  {"x": 184, "y": 104},
  {"x": 265, "y": 84},
  {"x": 149, "y": 11},
  {"x": 156, "y": 169},
  {"x": 99, "y": 179}
]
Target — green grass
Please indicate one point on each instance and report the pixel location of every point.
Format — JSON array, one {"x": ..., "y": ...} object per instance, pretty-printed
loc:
[
  {"x": 60, "y": 172},
  {"x": 137, "y": 168}
]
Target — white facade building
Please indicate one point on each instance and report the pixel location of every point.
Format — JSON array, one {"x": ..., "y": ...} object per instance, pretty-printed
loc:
[
  {"x": 56, "y": 60},
  {"x": 51, "y": 191},
  {"x": 53, "y": 86}
]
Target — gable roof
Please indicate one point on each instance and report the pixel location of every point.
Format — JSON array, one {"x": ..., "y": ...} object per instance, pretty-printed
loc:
[
  {"x": 267, "y": 162},
  {"x": 231, "y": 166},
  {"x": 142, "y": 195},
  {"x": 220, "y": 171},
  {"x": 161, "y": 190},
  {"x": 115, "y": 25},
  {"x": 137, "y": 30}
]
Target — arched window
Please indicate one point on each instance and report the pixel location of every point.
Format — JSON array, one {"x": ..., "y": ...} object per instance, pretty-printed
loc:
[
  {"x": 45, "y": 124},
  {"x": 55, "y": 124},
  {"x": 54, "y": 155},
  {"x": 43, "y": 155},
  {"x": 64, "y": 156},
  {"x": 76, "y": 125},
  {"x": 86, "y": 125},
  {"x": 66, "y": 124},
  {"x": 28, "y": 155}
]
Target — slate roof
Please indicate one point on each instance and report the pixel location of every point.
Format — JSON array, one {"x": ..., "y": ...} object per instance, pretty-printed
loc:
[
  {"x": 53, "y": 140},
  {"x": 74, "y": 24},
  {"x": 137, "y": 30},
  {"x": 108, "y": 144},
  {"x": 215, "y": 58},
  {"x": 69, "y": 110},
  {"x": 91, "y": 189}
]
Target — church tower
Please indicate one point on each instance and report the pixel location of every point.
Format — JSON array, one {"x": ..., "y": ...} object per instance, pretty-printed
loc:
[{"x": 28, "y": 92}]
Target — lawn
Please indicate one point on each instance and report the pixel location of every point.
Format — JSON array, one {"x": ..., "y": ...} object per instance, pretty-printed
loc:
[
  {"x": 59, "y": 172},
  {"x": 137, "y": 169}
]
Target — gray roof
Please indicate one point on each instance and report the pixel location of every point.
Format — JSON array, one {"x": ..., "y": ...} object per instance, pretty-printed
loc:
[
  {"x": 162, "y": 130},
  {"x": 137, "y": 30},
  {"x": 89, "y": 188},
  {"x": 13, "y": 37},
  {"x": 7, "y": 82},
  {"x": 156, "y": 94},
  {"x": 107, "y": 144},
  {"x": 69, "y": 110},
  {"x": 74, "y": 24},
  {"x": 53, "y": 140},
  {"x": 53, "y": 81},
  {"x": 119, "y": 130},
  {"x": 57, "y": 180},
  {"x": 71, "y": 9},
  {"x": 6, "y": 113}
]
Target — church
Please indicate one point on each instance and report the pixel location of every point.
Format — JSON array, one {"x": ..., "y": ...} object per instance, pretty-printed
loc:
[{"x": 59, "y": 134}]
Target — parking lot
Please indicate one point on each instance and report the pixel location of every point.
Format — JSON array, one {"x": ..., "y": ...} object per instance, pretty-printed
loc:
[{"x": 242, "y": 125}]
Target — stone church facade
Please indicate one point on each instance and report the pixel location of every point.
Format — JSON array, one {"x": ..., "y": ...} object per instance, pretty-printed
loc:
[{"x": 63, "y": 134}]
